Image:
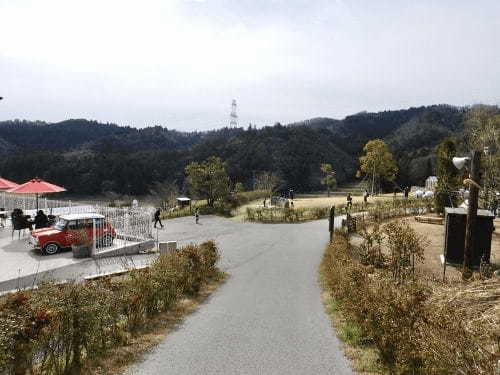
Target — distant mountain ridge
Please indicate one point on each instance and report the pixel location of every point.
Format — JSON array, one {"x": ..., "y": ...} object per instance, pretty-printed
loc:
[{"x": 134, "y": 159}]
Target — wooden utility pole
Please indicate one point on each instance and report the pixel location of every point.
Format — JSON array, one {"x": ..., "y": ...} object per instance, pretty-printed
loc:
[{"x": 471, "y": 214}]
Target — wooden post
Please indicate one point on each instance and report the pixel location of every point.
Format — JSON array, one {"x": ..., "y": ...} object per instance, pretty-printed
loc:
[
  {"x": 471, "y": 214},
  {"x": 331, "y": 222}
]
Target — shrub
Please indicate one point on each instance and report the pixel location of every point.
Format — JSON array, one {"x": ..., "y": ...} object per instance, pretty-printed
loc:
[
  {"x": 406, "y": 247},
  {"x": 412, "y": 333},
  {"x": 56, "y": 328}
]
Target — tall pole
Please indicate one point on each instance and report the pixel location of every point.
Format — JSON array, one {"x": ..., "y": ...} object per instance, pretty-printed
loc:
[{"x": 471, "y": 214}]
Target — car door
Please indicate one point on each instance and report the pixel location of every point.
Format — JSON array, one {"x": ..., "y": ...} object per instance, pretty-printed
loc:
[
  {"x": 87, "y": 224},
  {"x": 69, "y": 236}
]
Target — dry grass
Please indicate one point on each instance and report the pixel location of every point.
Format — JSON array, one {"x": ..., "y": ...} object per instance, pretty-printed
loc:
[
  {"x": 309, "y": 201},
  {"x": 306, "y": 201},
  {"x": 423, "y": 326},
  {"x": 119, "y": 359},
  {"x": 479, "y": 301},
  {"x": 432, "y": 266}
]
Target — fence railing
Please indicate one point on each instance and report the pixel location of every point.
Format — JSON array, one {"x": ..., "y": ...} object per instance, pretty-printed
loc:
[{"x": 129, "y": 224}]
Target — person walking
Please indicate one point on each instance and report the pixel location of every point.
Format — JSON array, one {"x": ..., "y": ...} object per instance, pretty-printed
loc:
[
  {"x": 157, "y": 218},
  {"x": 349, "y": 201},
  {"x": 407, "y": 191},
  {"x": 3, "y": 217},
  {"x": 365, "y": 197},
  {"x": 197, "y": 215}
]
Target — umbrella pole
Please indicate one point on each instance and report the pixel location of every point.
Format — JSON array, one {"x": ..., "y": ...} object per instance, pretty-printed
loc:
[{"x": 36, "y": 202}]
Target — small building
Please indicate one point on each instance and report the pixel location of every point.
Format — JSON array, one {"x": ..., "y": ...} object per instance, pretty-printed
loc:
[
  {"x": 183, "y": 202},
  {"x": 431, "y": 183}
]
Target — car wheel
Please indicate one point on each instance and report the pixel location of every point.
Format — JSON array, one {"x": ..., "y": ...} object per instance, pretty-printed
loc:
[
  {"x": 51, "y": 248},
  {"x": 106, "y": 240}
]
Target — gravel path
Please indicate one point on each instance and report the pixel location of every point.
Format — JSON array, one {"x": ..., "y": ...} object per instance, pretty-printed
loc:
[{"x": 267, "y": 318}]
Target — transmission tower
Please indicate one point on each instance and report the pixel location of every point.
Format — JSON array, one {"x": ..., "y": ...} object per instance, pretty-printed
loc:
[{"x": 233, "y": 117}]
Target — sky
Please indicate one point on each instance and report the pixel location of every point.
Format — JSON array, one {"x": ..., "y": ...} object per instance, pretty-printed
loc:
[{"x": 180, "y": 63}]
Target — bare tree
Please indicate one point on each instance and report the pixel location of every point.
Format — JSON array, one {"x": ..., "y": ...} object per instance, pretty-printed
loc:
[
  {"x": 269, "y": 182},
  {"x": 165, "y": 194}
]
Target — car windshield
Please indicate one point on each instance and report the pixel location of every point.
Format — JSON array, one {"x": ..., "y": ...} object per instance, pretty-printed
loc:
[{"x": 61, "y": 224}]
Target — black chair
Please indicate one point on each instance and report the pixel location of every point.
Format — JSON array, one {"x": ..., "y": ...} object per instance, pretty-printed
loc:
[{"x": 20, "y": 222}]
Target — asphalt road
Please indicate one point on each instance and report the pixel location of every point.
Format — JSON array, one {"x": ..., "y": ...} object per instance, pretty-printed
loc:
[{"x": 267, "y": 318}]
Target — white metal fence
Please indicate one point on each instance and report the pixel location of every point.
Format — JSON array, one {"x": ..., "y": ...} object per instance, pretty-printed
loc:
[{"x": 130, "y": 224}]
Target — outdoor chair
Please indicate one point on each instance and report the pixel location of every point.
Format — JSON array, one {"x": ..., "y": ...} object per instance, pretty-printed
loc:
[{"x": 20, "y": 223}]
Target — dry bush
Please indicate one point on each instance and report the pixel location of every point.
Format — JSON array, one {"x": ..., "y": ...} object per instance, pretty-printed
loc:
[
  {"x": 406, "y": 247},
  {"x": 413, "y": 333},
  {"x": 371, "y": 247}
]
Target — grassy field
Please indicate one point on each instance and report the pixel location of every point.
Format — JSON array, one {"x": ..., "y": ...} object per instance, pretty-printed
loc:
[{"x": 310, "y": 201}]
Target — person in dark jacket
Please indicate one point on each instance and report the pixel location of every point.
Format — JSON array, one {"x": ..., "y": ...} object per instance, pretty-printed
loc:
[
  {"x": 494, "y": 204},
  {"x": 41, "y": 220},
  {"x": 157, "y": 217}
]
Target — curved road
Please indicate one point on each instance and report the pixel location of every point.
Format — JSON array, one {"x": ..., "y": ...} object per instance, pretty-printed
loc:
[{"x": 267, "y": 318}]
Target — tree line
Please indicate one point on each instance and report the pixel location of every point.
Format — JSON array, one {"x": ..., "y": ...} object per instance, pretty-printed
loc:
[{"x": 91, "y": 158}]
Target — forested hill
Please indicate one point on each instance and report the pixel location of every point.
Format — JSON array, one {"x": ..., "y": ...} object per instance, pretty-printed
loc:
[{"x": 89, "y": 157}]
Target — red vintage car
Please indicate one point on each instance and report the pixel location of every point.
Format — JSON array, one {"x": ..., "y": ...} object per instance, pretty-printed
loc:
[{"x": 62, "y": 235}]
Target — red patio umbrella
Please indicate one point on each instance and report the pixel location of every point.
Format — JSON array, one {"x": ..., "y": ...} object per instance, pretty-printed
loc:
[
  {"x": 36, "y": 186},
  {"x": 6, "y": 184}
]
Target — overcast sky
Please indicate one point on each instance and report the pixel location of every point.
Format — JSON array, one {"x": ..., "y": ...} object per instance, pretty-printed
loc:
[{"x": 179, "y": 63}]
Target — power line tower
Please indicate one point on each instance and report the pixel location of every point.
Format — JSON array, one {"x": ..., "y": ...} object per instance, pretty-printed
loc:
[{"x": 233, "y": 117}]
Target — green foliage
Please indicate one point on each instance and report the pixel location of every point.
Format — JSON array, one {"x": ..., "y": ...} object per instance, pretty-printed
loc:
[
  {"x": 483, "y": 133},
  {"x": 377, "y": 161},
  {"x": 208, "y": 180},
  {"x": 328, "y": 176},
  {"x": 406, "y": 247},
  {"x": 91, "y": 158},
  {"x": 447, "y": 174},
  {"x": 239, "y": 187},
  {"x": 57, "y": 328}
]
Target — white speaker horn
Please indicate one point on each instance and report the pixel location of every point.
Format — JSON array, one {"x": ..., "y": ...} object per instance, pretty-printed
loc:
[{"x": 459, "y": 162}]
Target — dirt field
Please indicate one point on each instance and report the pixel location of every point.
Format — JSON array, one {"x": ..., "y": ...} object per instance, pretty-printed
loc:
[
  {"x": 435, "y": 234},
  {"x": 432, "y": 265}
]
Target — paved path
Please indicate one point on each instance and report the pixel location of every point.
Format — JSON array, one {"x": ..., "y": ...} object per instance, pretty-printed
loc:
[{"x": 267, "y": 318}]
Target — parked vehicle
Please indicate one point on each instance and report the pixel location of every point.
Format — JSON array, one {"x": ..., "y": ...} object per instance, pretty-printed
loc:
[{"x": 62, "y": 235}]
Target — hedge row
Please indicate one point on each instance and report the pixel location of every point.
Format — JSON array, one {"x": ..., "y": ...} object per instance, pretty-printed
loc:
[
  {"x": 412, "y": 334},
  {"x": 57, "y": 328},
  {"x": 377, "y": 211}
]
